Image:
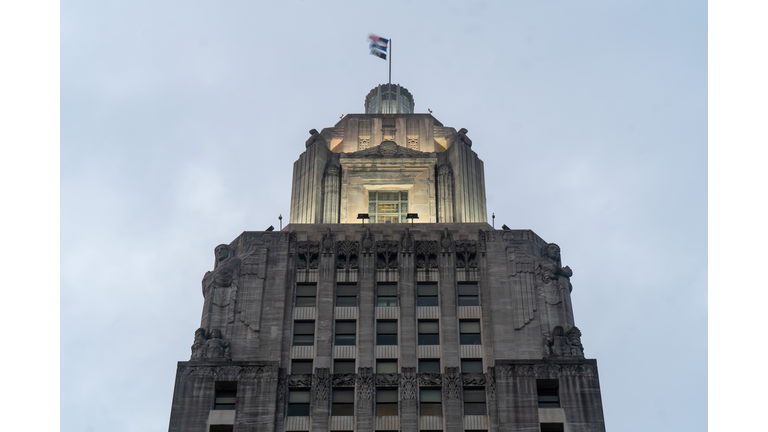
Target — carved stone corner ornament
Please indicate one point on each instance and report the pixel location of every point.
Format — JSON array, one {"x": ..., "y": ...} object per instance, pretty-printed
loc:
[
  {"x": 314, "y": 138},
  {"x": 446, "y": 242},
  {"x": 212, "y": 346},
  {"x": 463, "y": 137},
  {"x": 565, "y": 344}
]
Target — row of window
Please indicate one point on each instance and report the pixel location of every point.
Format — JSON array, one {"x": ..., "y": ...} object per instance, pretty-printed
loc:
[
  {"x": 430, "y": 401},
  {"x": 386, "y": 332},
  {"x": 386, "y": 294},
  {"x": 387, "y": 366}
]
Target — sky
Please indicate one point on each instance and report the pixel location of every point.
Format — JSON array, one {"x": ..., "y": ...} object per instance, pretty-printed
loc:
[{"x": 181, "y": 120}]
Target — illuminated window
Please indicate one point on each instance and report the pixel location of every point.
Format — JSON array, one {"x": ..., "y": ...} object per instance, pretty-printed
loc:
[{"x": 388, "y": 206}]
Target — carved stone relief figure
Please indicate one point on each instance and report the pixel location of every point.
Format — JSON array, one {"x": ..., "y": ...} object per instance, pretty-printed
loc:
[
  {"x": 327, "y": 242},
  {"x": 343, "y": 380},
  {"x": 559, "y": 342},
  {"x": 367, "y": 242},
  {"x": 574, "y": 342},
  {"x": 463, "y": 138},
  {"x": 446, "y": 242},
  {"x": 553, "y": 284},
  {"x": 406, "y": 240},
  {"x": 347, "y": 255},
  {"x": 212, "y": 347},
  {"x": 308, "y": 252},
  {"x": 566, "y": 344},
  {"x": 315, "y": 137},
  {"x": 220, "y": 289},
  {"x": 387, "y": 254},
  {"x": 466, "y": 254},
  {"x": 387, "y": 379},
  {"x": 426, "y": 254},
  {"x": 430, "y": 380}
]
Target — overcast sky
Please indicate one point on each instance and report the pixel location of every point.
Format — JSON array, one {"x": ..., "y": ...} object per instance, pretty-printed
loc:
[{"x": 181, "y": 120}]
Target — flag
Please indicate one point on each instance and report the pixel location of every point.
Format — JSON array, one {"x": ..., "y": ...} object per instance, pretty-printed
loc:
[{"x": 378, "y": 46}]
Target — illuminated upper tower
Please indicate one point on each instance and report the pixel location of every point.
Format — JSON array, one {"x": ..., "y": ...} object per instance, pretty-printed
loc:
[{"x": 388, "y": 162}]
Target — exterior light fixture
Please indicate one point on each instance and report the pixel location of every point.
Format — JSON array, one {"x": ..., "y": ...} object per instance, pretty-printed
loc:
[
  {"x": 412, "y": 216},
  {"x": 363, "y": 216}
]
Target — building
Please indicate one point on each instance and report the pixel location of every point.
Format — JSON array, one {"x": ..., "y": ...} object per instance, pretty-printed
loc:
[{"x": 358, "y": 316}]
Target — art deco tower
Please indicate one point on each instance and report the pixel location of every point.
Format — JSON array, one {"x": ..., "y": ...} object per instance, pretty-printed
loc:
[{"x": 360, "y": 317}]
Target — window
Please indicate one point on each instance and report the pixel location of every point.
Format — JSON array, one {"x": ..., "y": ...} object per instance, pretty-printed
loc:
[
  {"x": 344, "y": 366},
  {"x": 547, "y": 389},
  {"x": 386, "y": 366},
  {"x": 386, "y": 295},
  {"x": 429, "y": 333},
  {"x": 429, "y": 366},
  {"x": 552, "y": 427},
  {"x": 469, "y": 332},
  {"x": 345, "y": 333},
  {"x": 298, "y": 402},
  {"x": 387, "y": 206},
  {"x": 226, "y": 395},
  {"x": 431, "y": 402},
  {"x": 386, "y": 332},
  {"x": 221, "y": 428},
  {"x": 301, "y": 366},
  {"x": 346, "y": 295},
  {"x": 474, "y": 401},
  {"x": 343, "y": 402},
  {"x": 471, "y": 365},
  {"x": 427, "y": 294},
  {"x": 468, "y": 294},
  {"x": 306, "y": 295},
  {"x": 303, "y": 333},
  {"x": 386, "y": 402}
]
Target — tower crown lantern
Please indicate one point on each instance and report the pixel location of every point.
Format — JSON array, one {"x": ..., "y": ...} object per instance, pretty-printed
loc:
[{"x": 389, "y": 99}]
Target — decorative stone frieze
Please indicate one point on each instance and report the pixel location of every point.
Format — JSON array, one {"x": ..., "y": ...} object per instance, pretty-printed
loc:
[
  {"x": 320, "y": 381},
  {"x": 343, "y": 380},
  {"x": 408, "y": 383},
  {"x": 387, "y": 380},
  {"x": 452, "y": 383}
]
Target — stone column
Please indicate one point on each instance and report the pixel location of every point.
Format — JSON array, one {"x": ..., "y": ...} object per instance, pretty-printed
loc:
[
  {"x": 366, "y": 328},
  {"x": 321, "y": 395},
  {"x": 452, "y": 405},
  {"x": 331, "y": 195},
  {"x": 409, "y": 412},
  {"x": 445, "y": 194}
]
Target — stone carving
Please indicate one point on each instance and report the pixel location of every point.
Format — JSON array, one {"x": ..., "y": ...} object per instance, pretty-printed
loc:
[
  {"x": 225, "y": 268},
  {"x": 481, "y": 240},
  {"x": 490, "y": 379},
  {"x": 413, "y": 143},
  {"x": 387, "y": 149},
  {"x": 327, "y": 242},
  {"x": 300, "y": 380},
  {"x": 406, "y": 240},
  {"x": 466, "y": 254},
  {"x": 554, "y": 289},
  {"x": 545, "y": 370},
  {"x": 365, "y": 383},
  {"x": 210, "y": 347},
  {"x": 227, "y": 373},
  {"x": 446, "y": 241},
  {"x": 520, "y": 265},
  {"x": 463, "y": 137},
  {"x": 367, "y": 242},
  {"x": 475, "y": 379},
  {"x": 408, "y": 383},
  {"x": 452, "y": 383},
  {"x": 566, "y": 344},
  {"x": 315, "y": 137},
  {"x": 386, "y": 252},
  {"x": 320, "y": 382},
  {"x": 426, "y": 254},
  {"x": 347, "y": 254},
  {"x": 282, "y": 381},
  {"x": 387, "y": 379},
  {"x": 308, "y": 253},
  {"x": 343, "y": 380},
  {"x": 364, "y": 143},
  {"x": 430, "y": 380}
]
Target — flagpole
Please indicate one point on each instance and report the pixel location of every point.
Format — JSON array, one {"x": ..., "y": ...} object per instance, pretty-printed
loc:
[{"x": 390, "y": 62}]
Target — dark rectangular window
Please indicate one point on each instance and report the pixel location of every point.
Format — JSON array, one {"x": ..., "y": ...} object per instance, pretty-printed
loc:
[
  {"x": 469, "y": 332},
  {"x": 552, "y": 427},
  {"x": 343, "y": 402},
  {"x": 301, "y": 366},
  {"x": 303, "y": 333},
  {"x": 429, "y": 366},
  {"x": 471, "y": 365},
  {"x": 547, "y": 390},
  {"x": 429, "y": 333},
  {"x": 345, "y": 332},
  {"x": 226, "y": 395},
  {"x": 306, "y": 295},
  {"x": 346, "y": 295},
  {"x": 386, "y": 366},
  {"x": 298, "y": 402},
  {"x": 430, "y": 401},
  {"x": 427, "y": 294},
  {"x": 344, "y": 366},
  {"x": 474, "y": 401},
  {"x": 386, "y": 402},
  {"x": 386, "y": 295},
  {"x": 468, "y": 294},
  {"x": 386, "y": 332},
  {"x": 221, "y": 428}
]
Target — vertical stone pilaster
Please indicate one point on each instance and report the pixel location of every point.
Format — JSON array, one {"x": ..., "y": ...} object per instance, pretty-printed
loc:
[
  {"x": 449, "y": 324},
  {"x": 445, "y": 194},
  {"x": 324, "y": 325},
  {"x": 321, "y": 399},
  {"x": 407, "y": 300},
  {"x": 409, "y": 410},
  {"x": 331, "y": 192},
  {"x": 452, "y": 400},
  {"x": 364, "y": 404}
]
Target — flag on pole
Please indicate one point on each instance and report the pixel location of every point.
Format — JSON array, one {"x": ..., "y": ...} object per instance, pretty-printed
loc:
[{"x": 378, "y": 46}]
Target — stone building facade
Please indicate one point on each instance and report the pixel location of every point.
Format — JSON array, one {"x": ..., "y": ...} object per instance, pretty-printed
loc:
[{"x": 440, "y": 323}]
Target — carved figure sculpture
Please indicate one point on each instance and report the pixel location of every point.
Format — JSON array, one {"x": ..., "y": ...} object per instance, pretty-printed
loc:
[
  {"x": 225, "y": 268},
  {"x": 574, "y": 342},
  {"x": 553, "y": 284},
  {"x": 215, "y": 346},
  {"x": 559, "y": 342},
  {"x": 198, "y": 347},
  {"x": 463, "y": 137}
]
